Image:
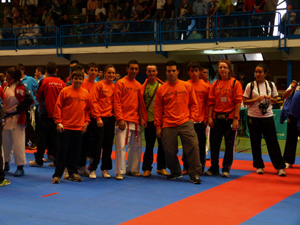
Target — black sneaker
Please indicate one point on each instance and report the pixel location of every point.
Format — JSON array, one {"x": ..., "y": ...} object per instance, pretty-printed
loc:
[
  {"x": 174, "y": 176},
  {"x": 195, "y": 180}
]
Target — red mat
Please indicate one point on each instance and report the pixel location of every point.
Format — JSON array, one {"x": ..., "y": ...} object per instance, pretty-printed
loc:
[{"x": 233, "y": 202}]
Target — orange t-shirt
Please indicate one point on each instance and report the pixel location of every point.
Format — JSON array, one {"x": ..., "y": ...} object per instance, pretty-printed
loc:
[
  {"x": 87, "y": 85},
  {"x": 201, "y": 90},
  {"x": 126, "y": 100},
  {"x": 102, "y": 100},
  {"x": 224, "y": 97},
  {"x": 71, "y": 109},
  {"x": 174, "y": 104}
]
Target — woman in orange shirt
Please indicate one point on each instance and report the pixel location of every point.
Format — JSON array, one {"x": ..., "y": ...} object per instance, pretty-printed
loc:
[
  {"x": 102, "y": 101},
  {"x": 225, "y": 98}
]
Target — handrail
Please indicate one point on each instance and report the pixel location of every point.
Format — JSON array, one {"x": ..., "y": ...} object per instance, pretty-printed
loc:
[{"x": 151, "y": 32}]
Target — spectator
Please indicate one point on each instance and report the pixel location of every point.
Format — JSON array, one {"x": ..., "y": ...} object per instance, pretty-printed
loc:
[
  {"x": 183, "y": 13},
  {"x": 257, "y": 19},
  {"x": 159, "y": 9},
  {"x": 135, "y": 6},
  {"x": 113, "y": 10},
  {"x": 199, "y": 10},
  {"x": 6, "y": 32},
  {"x": 269, "y": 17},
  {"x": 100, "y": 9},
  {"x": 92, "y": 5},
  {"x": 169, "y": 24},
  {"x": 290, "y": 19},
  {"x": 127, "y": 10},
  {"x": 225, "y": 8},
  {"x": 34, "y": 31}
]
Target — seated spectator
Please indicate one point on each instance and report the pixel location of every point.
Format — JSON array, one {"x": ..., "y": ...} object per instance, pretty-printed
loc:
[
  {"x": 34, "y": 31},
  {"x": 26, "y": 15},
  {"x": 7, "y": 13},
  {"x": 66, "y": 30},
  {"x": 23, "y": 32},
  {"x": 6, "y": 31},
  {"x": 16, "y": 14},
  {"x": 210, "y": 9},
  {"x": 100, "y": 9},
  {"x": 99, "y": 28},
  {"x": 116, "y": 28},
  {"x": 184, "y": 11},
  {"x": 113, "y": 10}
]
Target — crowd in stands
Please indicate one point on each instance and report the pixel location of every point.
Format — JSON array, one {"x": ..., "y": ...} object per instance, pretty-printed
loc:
[{"x": 28, "y": 14}]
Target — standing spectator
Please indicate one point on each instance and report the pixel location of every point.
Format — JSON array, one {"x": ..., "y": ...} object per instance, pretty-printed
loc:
[
  {"x": 92, "y": 5},
  {"x": 159, "y": 9},
  {"x": 175, "y": 112},
  {"x": 225, "y": 98},
  {"x": 248, "y": 8},
  {"x": 127, "y": 106},
  {"x": 199, "y": 10},
  {"x": 169, "y": 24},
  {"x": 259, "y": 96},
  {"x": 225, "y": 8},
  {"x": 102, "y": 110},
  {"x": 17, "y": 101},
  {"x": 257, "y": 19},
  {"x": 148, "y": 90},
  {"x": 50, "y": 86},
  {"x": 183, "y": 13},
  {"x": 269, "y": 17}
]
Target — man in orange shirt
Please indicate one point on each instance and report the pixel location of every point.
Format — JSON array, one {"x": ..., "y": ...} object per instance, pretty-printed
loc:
[
  {"x": 204, "y": 74},
  {"x": 89, "y": 138},
  {"x": 128, "y": 110},
  {"x": 201, "y": 91},
  {"x": 148, "y": 91},
  {"x": 175, "y": 111},
  {"x": 72, "y": 118}
]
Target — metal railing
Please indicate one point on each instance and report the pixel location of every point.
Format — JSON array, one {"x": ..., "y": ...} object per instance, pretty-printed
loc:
[{"x": 201, "y": 29}]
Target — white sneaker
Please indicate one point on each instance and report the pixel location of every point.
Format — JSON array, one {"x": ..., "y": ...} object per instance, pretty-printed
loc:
[
  {"x": 281, "y": 173},
  {"x": 93, "y": 174},
  {"x": 119, "y": 177},
  {"x": 260, "y": 171},
  {"x": 287, "y": 165},
  {"x": 105, "y": 174},
  {"x": 66, "y": 174}
]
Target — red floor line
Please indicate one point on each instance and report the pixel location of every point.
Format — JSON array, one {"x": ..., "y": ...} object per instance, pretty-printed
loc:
[
  {"x": 55, "y": 193},
  {"x": 231, "y": 203}
]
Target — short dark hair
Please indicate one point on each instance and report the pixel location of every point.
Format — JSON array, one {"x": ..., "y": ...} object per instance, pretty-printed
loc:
[
  {"x": 20, "y": 67},
  {"x": 133, "y": 61},
  {"x": 92, "y": 64},
  {"x": 193, "y": 65},
  {"x": 203, "y": 67},
  {"x": 78, "y": 73},
  {"x": 41, "y": 69},
  {"x": 172, "y": 63},
  {"x": 15, "y": 73},
  {"x": 76, "y": 67},
  {"x": 74, "y": 61},
  {"x": 51, "y": 67}
]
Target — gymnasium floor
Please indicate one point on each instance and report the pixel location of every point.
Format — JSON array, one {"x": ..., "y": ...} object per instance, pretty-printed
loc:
[{"x": 244, "y": 198}]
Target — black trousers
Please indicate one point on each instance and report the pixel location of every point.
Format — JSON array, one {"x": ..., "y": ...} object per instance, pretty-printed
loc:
[
  {"x": 47, "y": 138},
  {"x": 105, "y": 137},
  {"x": 289, "y": 155},
  {"x": 2, "y": 174},
  {"x": 266, "y": 127},
  {"x": 30, "y": 133},
  {"x": 150, "y": 137},
  {"x": 269, "y": 20},
  {"x": 68, "y": 152},
  {"x": 200, "y": 131},
  {"x": 89, "y": 142},
  {"x": 222, "y": 128}
]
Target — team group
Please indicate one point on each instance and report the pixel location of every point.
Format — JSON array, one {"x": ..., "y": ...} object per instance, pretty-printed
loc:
[{"x": 85, "y": 115}]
